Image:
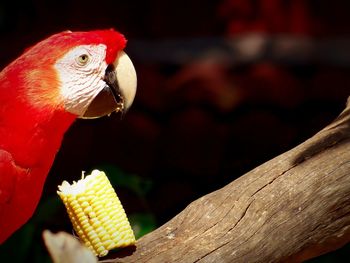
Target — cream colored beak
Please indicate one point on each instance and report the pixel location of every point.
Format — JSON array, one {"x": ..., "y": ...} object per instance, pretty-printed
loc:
[
  {"x": 119, "y": 92},
  {"x": 126, "y": 77}
]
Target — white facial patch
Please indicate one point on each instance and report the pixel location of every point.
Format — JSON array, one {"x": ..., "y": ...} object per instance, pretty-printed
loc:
[{"x": 81, "y": 72}]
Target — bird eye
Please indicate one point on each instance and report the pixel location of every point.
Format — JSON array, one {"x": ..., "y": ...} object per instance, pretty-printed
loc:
[{"x": 83, "y": 59}]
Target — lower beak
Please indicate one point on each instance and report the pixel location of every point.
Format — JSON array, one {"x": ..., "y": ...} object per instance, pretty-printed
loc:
[{"x": 119, "y": 92}]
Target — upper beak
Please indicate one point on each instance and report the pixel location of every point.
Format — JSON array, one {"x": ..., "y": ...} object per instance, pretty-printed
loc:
[{"x": 119, "y": 92}]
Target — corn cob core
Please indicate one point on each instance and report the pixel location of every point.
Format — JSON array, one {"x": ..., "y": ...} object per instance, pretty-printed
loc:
[{"x": 96, "y": 213}]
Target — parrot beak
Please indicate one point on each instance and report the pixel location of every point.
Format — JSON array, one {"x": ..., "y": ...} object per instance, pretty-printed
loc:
[{"x": 119, "y": 92}]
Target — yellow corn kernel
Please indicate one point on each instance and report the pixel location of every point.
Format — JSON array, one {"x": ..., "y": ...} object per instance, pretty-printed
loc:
[{"x": 96, "y": 213}]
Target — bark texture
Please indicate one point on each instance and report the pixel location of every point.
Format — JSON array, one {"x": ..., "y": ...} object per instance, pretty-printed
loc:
[{"x": 292, "y": 208}]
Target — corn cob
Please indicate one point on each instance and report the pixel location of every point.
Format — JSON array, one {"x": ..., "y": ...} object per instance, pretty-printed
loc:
[{"x": 96, "y": 213}]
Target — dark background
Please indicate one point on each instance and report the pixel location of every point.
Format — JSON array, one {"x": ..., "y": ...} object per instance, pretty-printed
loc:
[{"x": 212, "y": 103}]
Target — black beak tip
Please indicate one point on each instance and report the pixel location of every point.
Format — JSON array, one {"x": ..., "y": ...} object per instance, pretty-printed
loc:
[
  {"x": 104, "y": 104},
  {"x": 109, "y": 99}
]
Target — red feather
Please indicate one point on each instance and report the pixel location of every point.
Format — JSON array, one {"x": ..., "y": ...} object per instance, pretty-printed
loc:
[{"x": 33, "y": 121}]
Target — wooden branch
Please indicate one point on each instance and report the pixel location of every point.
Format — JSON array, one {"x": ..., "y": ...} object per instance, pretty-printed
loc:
[{"x": 290, "y": 209}]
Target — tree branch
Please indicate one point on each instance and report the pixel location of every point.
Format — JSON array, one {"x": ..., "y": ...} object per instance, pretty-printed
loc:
[{"x": 294, "y": 207}]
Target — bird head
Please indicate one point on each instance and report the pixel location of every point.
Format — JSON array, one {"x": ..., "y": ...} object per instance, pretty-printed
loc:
[{"x": 86, "y": 74}]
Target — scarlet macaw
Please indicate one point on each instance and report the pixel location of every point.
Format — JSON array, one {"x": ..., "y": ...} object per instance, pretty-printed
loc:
[{"x": 66, "y": 76}]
